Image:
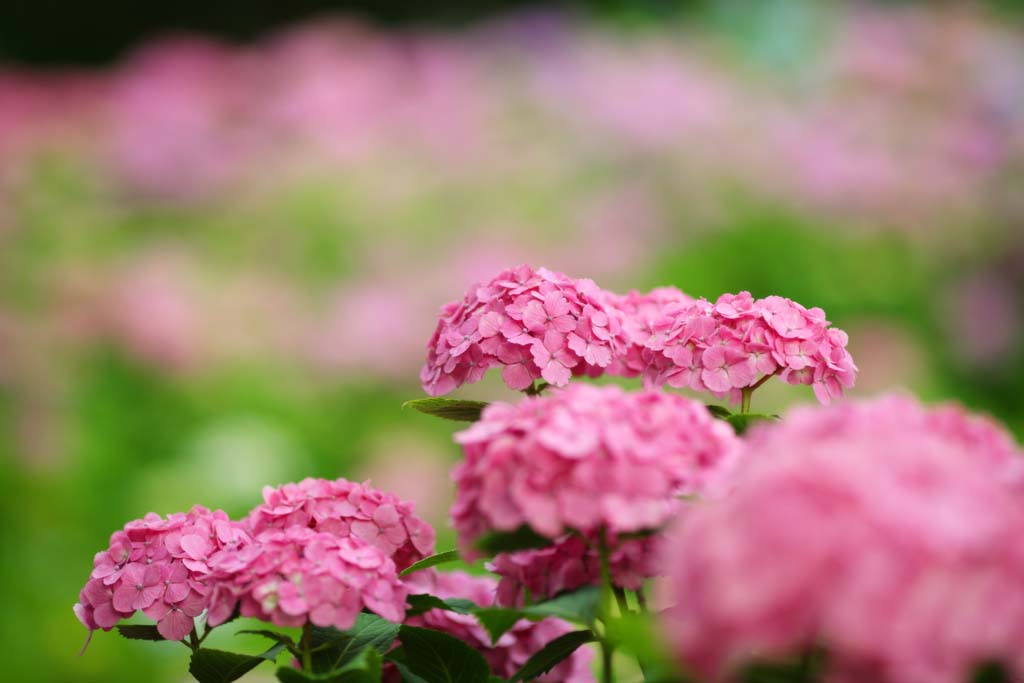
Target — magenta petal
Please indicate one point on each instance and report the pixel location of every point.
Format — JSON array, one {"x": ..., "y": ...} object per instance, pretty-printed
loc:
[
  {"x": 106, "y": 616},
  {"x": 124, "y": 598},
  {"x": 175, "y": 626},
  {"x": 195, "y": 546},
  {"x": 147, "y": 596},
  {"x": 176, "y": 592}
]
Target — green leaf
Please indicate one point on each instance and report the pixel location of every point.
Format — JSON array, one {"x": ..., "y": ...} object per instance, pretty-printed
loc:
[
  {"x": 422, "y": 602},
  {"x": 281, "y": 638},
  {"x": 991, "y": 672},
  {"x": 638, "y": 635},
  {"x": 217, "y": 666},
  {"x": 139, "y": 632},
  {"x": 741, "y": 422},
  {"x": 439, "y": 658},
  {"x": 523, "y": 538},
  {"x": 720, "y": 412},
  {"x": 497, "y": 620},
  {"x": 365, "y": 668},
  {"x": 448, "y": 408},
  {"x": 579, "y": 606},
  {"x": 333, "y": 649},
  {"x": 806, "y": 668},
  {"x": 552, "y": 654},
  {"x": 432, "y": 561}
]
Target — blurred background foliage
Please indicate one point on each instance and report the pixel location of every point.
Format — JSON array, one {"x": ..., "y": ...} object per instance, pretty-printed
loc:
[{"x": 225, "y": 229}]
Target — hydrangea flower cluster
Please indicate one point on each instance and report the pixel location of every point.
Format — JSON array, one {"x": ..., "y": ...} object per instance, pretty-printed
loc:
[
  {"x": 513, "y": 648},
  {"x": 885, "y": 532},
  {"x": 161, "y": 567},
  {"x": 317, "y": 549},
  {"x": 297, "y": 574},
  {"x": 535, "y": 323},
  {"x": 639, "y": 315},
  {"x": 585, "y": 459},
  {"x": 732, "y": 344},
  {"x": 346, "y": 508},
  {"x": 569, "y": 563}
]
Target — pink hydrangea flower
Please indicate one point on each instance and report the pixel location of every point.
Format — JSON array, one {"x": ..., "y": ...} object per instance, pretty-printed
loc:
[
  {"x": 885, "y": 532},
  {"x": 641, "y": 334},
  {"x": 585, "y": 458},
  {"x": 346, "y": 508},
  {"x": 570, "y": 563},
  {"x": 158, "y": 566},
  {"x": 732, "y": 344},
  {"x": 294, "y": 575},
  {"x": 515, "y": 646},
  {"x": 534, "y": 323}
]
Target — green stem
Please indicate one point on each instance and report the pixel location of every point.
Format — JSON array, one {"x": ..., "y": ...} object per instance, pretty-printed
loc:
[
  {"x": 620, "y": 597},
  {"x": 607, "y": 600},
  {"x": 536, "y": 389},
  {"x": 606, "y": 663},
  {"x": 193, "y": 639},
  {"x": 641, "y": 599},
  {"x": 307, "y": 641},
  {"x": 749, "y": 391},
  {"x": 745, "y": 399}
]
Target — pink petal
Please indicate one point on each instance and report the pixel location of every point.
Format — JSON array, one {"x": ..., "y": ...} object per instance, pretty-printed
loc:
[{"x": 175, "y": 626}]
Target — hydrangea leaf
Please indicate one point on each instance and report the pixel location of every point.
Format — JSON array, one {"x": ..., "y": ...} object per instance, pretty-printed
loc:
[
  {"x": 139, "y": 632},
  {"x": 741, "y": 422},
  {"x": 552, "y": 654},
  {"x": 432, "y": 561},
  {"x": 459, "y": 410},
  {"x": 218, "y": 666},
  {"x": 423, "y": 602},
  {"x": 579, "y": 606},
  {"x": 721, "y": 412},
  {"x": 638, "y": 635},
  {"x": 333, "y": 649},
  {"x": 523, "y": 538},
  {"x": 281, "y": 638},
  {"x": 440, "y": 658},
  {"x": 364, "y": 668}
]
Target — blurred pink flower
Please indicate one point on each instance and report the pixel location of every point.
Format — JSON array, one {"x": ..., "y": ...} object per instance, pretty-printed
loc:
[{"x": 884, "y": 532}]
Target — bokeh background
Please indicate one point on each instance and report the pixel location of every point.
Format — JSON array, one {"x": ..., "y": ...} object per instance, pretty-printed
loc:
[{"x": 225, "y": 232}]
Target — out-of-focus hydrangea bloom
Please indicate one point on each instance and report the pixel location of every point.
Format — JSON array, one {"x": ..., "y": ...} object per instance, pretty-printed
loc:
[
  {"x": 729, "y": 345},
  {"x": 640, "y": 323},
  {"x": 514, "y": 647},
  {"x": 346, "y": 508},
  {"x": 570, "y": 563},
  {"x": 297, "y": 574},
  {"x": 161, "y": 567},
  {"x": 585, "y": 458},
  {"x": 885, "y": 532},
  {"x": 535, "y": 323}
]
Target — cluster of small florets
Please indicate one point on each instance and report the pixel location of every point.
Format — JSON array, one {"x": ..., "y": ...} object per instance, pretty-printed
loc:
[
  {"x": 534, "y": 323},
  {"x": 346, "y": 508},
  {"x": 538, "y": 324},
  {"x": 585, "y": 459},
  {"x": 161, "y": 567},
  {"x": 639, "y": 315},
  {"x": 884, "y": 532},
  {"x": 513, "y": 648},
  {"x": 318, "y": 549},
  {"x": 572, "y": 562},
  {"x": 730, "y": 345},
  {"x": 294, "y": 575}
]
